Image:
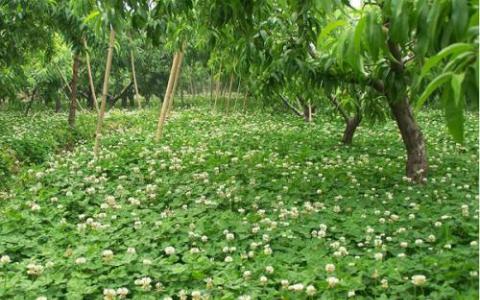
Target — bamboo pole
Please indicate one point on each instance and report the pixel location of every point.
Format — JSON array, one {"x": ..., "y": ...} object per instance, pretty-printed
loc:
[
  {"x": 166, "y": 98},
  {"x": 90, "y": 77},
  {"x": 101, "y": 115},
  {"x": 134, "y": 75},
  {"x": 175, "y": 82}
]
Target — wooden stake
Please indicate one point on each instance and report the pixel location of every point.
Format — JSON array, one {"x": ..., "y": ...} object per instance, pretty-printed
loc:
[
  {"x": 90, "y": 77},
  {"x": 134, "y": 75},
  {"x": 98, "y": 133},
  {"x": 166, "y": 98},
  {"x": 175, "y": 83}
]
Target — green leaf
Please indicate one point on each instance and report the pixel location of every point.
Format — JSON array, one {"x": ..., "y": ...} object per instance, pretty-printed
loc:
[
  {"x": 91, "y": 17},
  {"x": 328, "y": 29},
  {"x": 400, "y": 28},
  {"x": 431, "y": 87},
  {"x": 460, "y": 17},
  {"x": 453, "y": 100},
  {"x": 454, "y": 49}
]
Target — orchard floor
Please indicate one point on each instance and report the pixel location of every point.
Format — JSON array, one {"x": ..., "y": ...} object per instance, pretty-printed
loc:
[{"x": 235, "y": 207}]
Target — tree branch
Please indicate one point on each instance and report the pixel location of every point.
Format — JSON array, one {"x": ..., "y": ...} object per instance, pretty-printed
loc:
[{"x": 287, "y": 103}]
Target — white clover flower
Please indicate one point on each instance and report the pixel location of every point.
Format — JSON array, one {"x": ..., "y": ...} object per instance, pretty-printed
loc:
[
  {"x": 144, "y": 282},
  {"x": 131, "y": 250},
  {"x": 244, "y": 297},
  {"x": 419, "y": 280},
  {"x": 41, "y": 298},
  {"x": 247, "y": 274},
  {"x": 284, "y": 283},
  {"x": 269, "y": 269},
  {"x": 351, "y": 294},
  {"x": 296, "y": 287},
  {"x": 418, "y": 242},
  {"x": 378, "y": 256},
  {"x": 196, "y": 295},
  {"x": 5, "y": 259},
  {"x": 169, "y": 250},
  {"x": 194, "y": 250},
  {"x": 384, "y": 283},
  {"x": 267, "y": 251},
  {"x": 109, "y": 294},
  {"x": 107, "y": 254},
  {"x": 330, "y": 268},
  {"x": 332, "y": 281},
  {"x": 80, "y": 260},
  {"x": 147, "y": 262},
  {"x": 228, "y": 259},
  {"x": 122, "y": 292},
  {"x": 263, "y": 279},
  {"x": 34, "y": 269},
  {"x": 230, "y": 236},
  {"x": 311, "y": 290}
]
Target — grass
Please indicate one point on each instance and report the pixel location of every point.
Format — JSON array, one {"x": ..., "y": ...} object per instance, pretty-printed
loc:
[{"x": 232, "y": 206}]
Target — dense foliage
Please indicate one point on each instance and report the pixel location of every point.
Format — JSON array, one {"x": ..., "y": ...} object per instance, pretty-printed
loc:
[
  {"x": 274, "y": 171},
  {"x": 242, "y": 205}
]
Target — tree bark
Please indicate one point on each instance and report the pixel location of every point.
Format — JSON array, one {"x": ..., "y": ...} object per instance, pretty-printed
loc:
[
  {"x": 101, "y": 114},
  {"x": 73, "y": 96},
  {"x": 417, "y": 162},
  {"x": 352, "y": 125}
]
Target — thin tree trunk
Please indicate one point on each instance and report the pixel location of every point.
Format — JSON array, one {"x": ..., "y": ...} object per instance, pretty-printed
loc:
[
  {"x": 101, "y": 115},
  {"x": 217, "y": 88},
  {"x": 245, "y": 101},
  {"x": 73, "y": 96},
  {"x": 134, "y": 75},
  {"x": 90, "y": 77},
  {"x": 230, "y": 87},
  {"x": 32, "y": 98},
  {"x": 58, "y": 104},
  {"x": 212, "y": 84},
  {"x": 166, "y": 98},
  {"x": 417, "y": 163}
]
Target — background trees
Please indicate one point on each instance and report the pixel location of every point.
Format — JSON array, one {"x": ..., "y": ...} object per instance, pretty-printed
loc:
[{"x": 368, "y": 63}]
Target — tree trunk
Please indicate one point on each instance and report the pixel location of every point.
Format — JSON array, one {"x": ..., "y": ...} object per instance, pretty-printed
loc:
[
  {"x": 352, "y": 125},
  {"x": 101, "y": 114},
  {"x": 417, "y": 163},
  {"x": 230, "y": 87},
  {"x": 90, "y": 77},
  {"x": 58, "y": 104},
  {"x": 32, "y": 98},
  {"x": 73, "y": 96}
]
